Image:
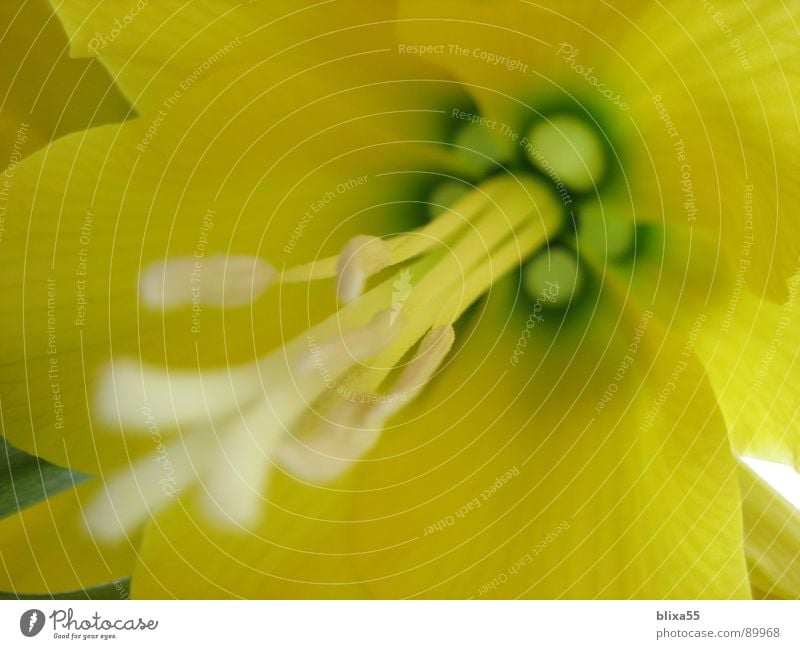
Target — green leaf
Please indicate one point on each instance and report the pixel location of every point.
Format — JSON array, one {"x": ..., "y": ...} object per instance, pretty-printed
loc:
[
  {"x": 26, "y": 479},
  {"x": 117, "y": 589}
]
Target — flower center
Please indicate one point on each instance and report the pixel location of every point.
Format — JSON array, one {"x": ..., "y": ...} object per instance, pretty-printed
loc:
[
  {"x": 568, "y": 152},
  {"x": 316, "y": 405}
]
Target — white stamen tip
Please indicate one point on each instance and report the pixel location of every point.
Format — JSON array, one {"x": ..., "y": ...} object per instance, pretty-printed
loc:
[
  {"x": 362, "y": 257},
  {"x": 218, "y": 281},
  {"x": 145, "y": 488},
  {"x": 333, "y": 448},
  {"x": 432, "y": 351},
  {"x": 235, "y": 486},
  {"x": 354, "y": 427},
  {"x": 144, "y": 398}
]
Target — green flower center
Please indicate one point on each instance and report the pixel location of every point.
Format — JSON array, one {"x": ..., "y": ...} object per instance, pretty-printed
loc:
[{"x": 569, "y": 153}]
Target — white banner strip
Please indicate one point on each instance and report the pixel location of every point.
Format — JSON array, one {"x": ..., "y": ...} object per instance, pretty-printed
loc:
[{"x": 401, "y": 624}]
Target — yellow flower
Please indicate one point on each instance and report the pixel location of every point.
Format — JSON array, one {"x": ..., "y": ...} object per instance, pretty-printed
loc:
[{"x": 436, "y": 300}]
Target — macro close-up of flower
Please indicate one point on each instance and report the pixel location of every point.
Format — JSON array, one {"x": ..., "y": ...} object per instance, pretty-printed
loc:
[{"x": 338, "y": 299}]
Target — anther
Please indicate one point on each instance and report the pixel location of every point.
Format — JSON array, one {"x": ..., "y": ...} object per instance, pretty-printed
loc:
[{"x": 218, "y": 281}]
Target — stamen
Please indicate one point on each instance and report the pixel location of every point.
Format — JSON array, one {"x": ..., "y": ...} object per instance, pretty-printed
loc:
[
  {"x": 140, "y": 396},
  {"x": 504, "y": 259},
  {"x": 504, "y": 234},
  {"x": 335, "y": 355},
  {"x": 445, "y": 195},
  {"x": 219, "y": 281},
  {"x": 527, "y": 204},
  {"x": 234, "y": 480},
  {"x": 407, "y": 246},
  {"x": 567, "y": 149},
  {"x": 333, "y": 447},
  {"x": 355, "y": 424},
  {"x": 362, "y": 257},
  {"x": 432, "y": 351},
  {"x": 235, "y": 485},
  {"x": 145, "y": 488},
  {"x": 261, "y": 410}
]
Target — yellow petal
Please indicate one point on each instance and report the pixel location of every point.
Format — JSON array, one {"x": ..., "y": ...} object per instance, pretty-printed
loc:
[
  {"x": 287, "y": 175},
  {"x": 749, "y": 345},
  {"x": 154, "y": 50},
  {"x": 626, "y": 487},
  {"x": 45, "y": 94},
  {"x": 46, "y": 548},
  {"x": 503, "y": 481},
  {"x": 299, "y": 550},
  {"x": 713, "y": 94},
  {"x": 772, "y": 538}
]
